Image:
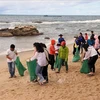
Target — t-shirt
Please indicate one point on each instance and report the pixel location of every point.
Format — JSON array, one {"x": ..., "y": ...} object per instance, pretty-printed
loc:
[{"x": 11, "y": 54}]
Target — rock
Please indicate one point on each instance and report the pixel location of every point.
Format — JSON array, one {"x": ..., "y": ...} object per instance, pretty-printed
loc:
[
  {"x": 20, "y": 31},
  {"x": 5, "y": 34},
  {"x": 46, "y": 38},
  {"x": 38, "y": 21}
]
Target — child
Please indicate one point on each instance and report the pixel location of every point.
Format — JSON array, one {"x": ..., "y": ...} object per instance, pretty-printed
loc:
[
  {"x": 11, "y": 57},
  {"x": 63, "y": 56}
]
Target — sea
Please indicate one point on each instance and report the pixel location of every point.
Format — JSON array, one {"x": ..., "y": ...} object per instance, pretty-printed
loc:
[{"x": 50, "y": 25}]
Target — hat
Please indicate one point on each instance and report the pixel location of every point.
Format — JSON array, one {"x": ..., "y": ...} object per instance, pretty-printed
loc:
[
  {"x": 63, "y": 43},
  {"x": 60, "y": 35}
]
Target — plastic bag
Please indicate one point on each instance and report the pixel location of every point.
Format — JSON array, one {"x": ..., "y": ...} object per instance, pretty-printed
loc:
[
  {"x": 85, "y": 68},
  {"x": 76, "y": 57},
  {"x": 31, "y": 69},
  {"x": 20, "y": 67}
]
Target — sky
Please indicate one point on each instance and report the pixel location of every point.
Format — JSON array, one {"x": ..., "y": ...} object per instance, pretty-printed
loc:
[{"x": 50, "y": 7}]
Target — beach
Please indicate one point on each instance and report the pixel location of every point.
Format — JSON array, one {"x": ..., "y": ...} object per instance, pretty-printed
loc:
[{"x": 63, "y": 86}]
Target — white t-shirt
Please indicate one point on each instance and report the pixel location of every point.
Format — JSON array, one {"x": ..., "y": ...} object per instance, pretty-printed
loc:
[
  {"x": 57, "y": 48},
  {"x": 11, "y": 54},
  {"x": 41, "y": 59}
]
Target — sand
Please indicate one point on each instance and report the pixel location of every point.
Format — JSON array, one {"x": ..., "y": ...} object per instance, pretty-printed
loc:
[{"x": 63, "y": 86}]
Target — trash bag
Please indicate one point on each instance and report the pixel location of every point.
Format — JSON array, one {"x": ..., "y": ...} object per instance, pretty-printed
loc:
[
  {"x": 56, "y": 62},
  {"x": 85, "y": 67},
  {"x": 76, "y": 57},
  {"x": 31, "y": 69},
  {"x": 20, "y": 67}
]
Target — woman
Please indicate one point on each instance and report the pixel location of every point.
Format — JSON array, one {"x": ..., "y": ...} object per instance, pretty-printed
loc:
[
  {"x": 41, "y": 62},
  {"x": 92, "y": 58},
  {"x": 45, "y": 68},
  {"x": 85, "y": 67}
]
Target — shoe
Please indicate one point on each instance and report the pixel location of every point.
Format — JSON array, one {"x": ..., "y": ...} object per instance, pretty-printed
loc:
[
  {"x": 10, "y": 77},
  {"x": 14, "y": 76},
  {"x": 90, "y": 74},
  {"x": 58, "y": 72}
]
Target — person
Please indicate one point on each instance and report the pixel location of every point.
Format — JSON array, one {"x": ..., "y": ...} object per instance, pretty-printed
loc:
[
  {"x": 97, "y": 43},
  {"x": 45, "y": 68},
  {"x": 63, "y": 56},
  {"x": 92, "y": 58},
  {"x": 52, "y": 53},
  {"x": 41, "y": 61},
  {"x": 77, "y": 44},
  {"x": 85, "y": 67},
  {"x": 60, "y": 39},
  {"x": 86, "y": 37},
  {"x": 56, "y": 53},
  {"x": 11, "y": 57},
  {"x": 82, "y": 40},
  {"x": 92, "y": 36}
]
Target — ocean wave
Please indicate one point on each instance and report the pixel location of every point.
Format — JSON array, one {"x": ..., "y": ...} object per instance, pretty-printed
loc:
[
  {"x": 56, "y": 22},
  {"x": 86, "y": 21}
]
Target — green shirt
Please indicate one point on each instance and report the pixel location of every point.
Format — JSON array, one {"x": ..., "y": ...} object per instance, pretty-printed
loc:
[{"x": 63, "y": 53}]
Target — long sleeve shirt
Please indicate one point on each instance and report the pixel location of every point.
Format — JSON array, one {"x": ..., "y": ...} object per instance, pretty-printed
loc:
[
  {"x": 90, "y": 53},
  {"x": 63, "y": 53},
  {"x": 41, "y": 59}
]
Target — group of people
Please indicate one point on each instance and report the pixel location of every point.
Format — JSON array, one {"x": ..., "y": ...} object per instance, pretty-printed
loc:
[
  {"x": 88, "y": 47},
  {"x": 57, "y": 55}
]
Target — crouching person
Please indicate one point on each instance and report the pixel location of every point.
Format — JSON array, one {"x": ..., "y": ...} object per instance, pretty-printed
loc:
[{"x": 63, "y": 56}]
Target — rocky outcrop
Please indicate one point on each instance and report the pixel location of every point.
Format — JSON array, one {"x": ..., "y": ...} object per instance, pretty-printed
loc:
[{"x": 20, "y": 31}]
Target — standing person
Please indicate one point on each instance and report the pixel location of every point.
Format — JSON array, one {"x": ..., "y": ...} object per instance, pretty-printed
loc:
[
  {"x": 45, "y": 68},
  {"x": 52, "y": 53},
  {"x": 93, "y": 56},
  {"x": 11, "y": 57},
  {"x": 63, "y": 56},
  {"x": 97, "y": 43},
  {"x": 60, "y": 39},
  {"x": 92, "y": 35},
  {"x": 82, "y": 40},
  {"x": 77, "y": 44},
  {"x": 86, "y": 37},
  {"x": 41, "y": 61}
]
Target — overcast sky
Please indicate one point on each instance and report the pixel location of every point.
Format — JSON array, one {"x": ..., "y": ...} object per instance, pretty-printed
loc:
[{"x": 50, "y": 7}]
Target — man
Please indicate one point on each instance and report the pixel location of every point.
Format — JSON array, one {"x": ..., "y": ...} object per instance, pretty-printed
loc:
[
  {"x": 11, "y": 57},
  {"x": 63, "y": 56},
  {"x": 92, "y": 35},
  {"x": 60, "y": 39}
]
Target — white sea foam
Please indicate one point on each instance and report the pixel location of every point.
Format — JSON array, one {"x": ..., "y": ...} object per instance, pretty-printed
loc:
[{"x": 86, "y": 21}]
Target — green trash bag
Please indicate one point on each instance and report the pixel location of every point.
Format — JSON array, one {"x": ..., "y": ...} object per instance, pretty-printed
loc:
[
  {"x": 85, "y": 68},
  {"x": 20, "y": 67},
  {"x": 76, "y": 57},
  {"x": 56, "y": 62},
  {"x": 31, "y": 69}
]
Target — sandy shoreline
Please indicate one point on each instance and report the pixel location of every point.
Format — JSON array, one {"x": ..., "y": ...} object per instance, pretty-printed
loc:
[{"x": 64, "y": 86}]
